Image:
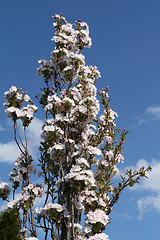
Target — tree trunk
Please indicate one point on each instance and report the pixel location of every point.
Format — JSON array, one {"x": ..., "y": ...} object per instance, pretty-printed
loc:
[{"x": 66, "y": 221}]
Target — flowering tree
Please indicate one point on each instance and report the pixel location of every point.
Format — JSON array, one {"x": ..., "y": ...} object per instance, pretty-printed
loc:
[{"x": 80, "y": 149}]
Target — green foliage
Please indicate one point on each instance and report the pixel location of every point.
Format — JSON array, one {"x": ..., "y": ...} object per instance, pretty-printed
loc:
[{"x": 10, "y": 225}]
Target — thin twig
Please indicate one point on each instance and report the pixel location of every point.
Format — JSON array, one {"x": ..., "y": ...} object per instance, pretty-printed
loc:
[
  {"x": 17, "y": 140},
  {"x": 26, "y": 154},
  {"x": 19, "y": 135}
]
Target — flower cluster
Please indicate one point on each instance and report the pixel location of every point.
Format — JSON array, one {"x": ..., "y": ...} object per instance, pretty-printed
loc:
[
  {"x": 78, "y": 174},
  {"x": 4, "y": 190},
  {"x": 35, "y": 191},
  {"x": 28, "y": 195},
  {"x": 14, "y": 101},
  {"x": 98, "y": 216},
  {"x": 89, "y": 200},
  {"x": 97, "y": 236},
  {"x": 50, "y": 210},
  {"x": 20, "y": 171},
  {"x": 66, "y": 58}
]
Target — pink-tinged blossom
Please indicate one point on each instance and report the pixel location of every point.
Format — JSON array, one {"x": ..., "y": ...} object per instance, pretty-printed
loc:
[
  {"x": 78, "y": 174},
  {"x": 50, "y": 209},
  {"x": 94, "y": 150},
  {"x": 35, "y": 191},
  {"x": 51, "y": 128},
  {"x": 105, "y": 94},
  {"x": 55, "y": 206},
  {"x": 97, "y": 216},
  {"x": 19, "y": 172},
  {"x": 28, "y": 194},
  {"x": 82, "y": 109},
  {"x": 108, "y": 139},
  {"x": 99, "y": 236}
]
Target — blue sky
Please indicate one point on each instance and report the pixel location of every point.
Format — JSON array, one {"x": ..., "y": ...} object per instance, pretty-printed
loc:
[{"x": 126, "y": 50}]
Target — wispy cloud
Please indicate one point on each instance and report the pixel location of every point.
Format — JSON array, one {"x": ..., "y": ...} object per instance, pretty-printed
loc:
[
  {"x": 141, "y": 121},
  {"x": 154, "y": 112},
  {"x": 34, "y": 136},
  {"x": 151, "y": 113},
  {"x": 34, "y": 132},
  {"x": 147, "y": 204},
  {"x": 8, "y": 152},
  {"x": 151, "y": 186}
]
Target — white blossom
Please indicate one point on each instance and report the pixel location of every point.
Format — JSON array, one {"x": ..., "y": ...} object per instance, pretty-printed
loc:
[
  {"x": 13, "y": 89},
  {"x": 26, "y": 98},
  {"x": 97, "y": 216},
  {"x": 99, "y": 236}
]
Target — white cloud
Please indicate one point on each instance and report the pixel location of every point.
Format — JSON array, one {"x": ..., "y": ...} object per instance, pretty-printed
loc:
[
  {"x": 142, "y": 162},
  {"x": 151, "y": 113},
  {"x": 8, "y": 152},
  {"x": 34, "y": 136},
  {"x": 154, "y": 112},
  {"x": 151, "y": 186},
  {"x": 141, "y": 121},
  {"x": 147, "y": 204},
  {"x": 34, "y": 132}
]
